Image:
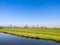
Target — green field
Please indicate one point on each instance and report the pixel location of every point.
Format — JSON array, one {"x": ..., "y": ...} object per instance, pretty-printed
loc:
[{"x": 38, "y": 33}]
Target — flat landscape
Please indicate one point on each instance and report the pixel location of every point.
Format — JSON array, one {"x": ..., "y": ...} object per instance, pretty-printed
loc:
[{"x": 37, "y": 33}]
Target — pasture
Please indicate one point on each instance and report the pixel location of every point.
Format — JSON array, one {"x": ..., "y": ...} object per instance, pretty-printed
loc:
[{"x": 37, "y": 33}]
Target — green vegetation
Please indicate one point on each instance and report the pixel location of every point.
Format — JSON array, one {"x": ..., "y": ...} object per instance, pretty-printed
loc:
[{"x": 43, "y": 33}]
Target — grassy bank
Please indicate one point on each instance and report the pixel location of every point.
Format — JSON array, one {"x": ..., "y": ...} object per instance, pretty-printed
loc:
[{"x": 44, "y": 33}]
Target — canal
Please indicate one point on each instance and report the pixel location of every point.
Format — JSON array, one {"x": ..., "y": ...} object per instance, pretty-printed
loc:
[{"x": 7, "y": 39}]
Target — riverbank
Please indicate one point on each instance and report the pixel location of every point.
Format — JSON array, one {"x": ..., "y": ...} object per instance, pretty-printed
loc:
[{"x": 37, "y": 33}]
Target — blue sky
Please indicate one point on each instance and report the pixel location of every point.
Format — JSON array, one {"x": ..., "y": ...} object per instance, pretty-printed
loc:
[{"x": 32, "y": 12}]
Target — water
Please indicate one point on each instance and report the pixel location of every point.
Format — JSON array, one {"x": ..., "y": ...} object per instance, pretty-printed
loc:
[{"x": 6, "y": 39}]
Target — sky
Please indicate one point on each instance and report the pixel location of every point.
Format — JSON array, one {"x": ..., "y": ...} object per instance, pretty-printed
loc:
[{"x": 31, "y": 12}]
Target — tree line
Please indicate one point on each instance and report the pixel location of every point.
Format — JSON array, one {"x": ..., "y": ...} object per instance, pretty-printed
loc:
[{"x": 26, "y": 26}]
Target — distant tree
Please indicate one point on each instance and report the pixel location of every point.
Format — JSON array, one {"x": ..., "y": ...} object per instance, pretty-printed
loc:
[
  {"x": 1, "y": 27},
  {"x": 37, "y": 26},
  {"x": 10, "y": 25},
  {"x": 43, "y": 27},
  {"x": 33, "y": 26},
  {"x": 26, "y": 26}
]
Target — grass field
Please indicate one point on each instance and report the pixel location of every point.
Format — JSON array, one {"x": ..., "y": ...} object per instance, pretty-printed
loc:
[{"x": 38, "y": 33}]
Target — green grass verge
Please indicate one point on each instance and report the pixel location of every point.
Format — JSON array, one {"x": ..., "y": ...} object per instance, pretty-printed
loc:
[{"x": 38, "y": 33}]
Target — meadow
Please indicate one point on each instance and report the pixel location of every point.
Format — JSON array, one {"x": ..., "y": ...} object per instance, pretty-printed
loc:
[{"x": 37, "y": 33}]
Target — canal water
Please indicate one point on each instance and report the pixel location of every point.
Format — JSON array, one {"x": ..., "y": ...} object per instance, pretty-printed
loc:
[{"x": 7, "y": 39}]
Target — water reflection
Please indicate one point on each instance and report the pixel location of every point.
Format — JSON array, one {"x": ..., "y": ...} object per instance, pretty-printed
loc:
[{"x": 6, "y": 39}]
